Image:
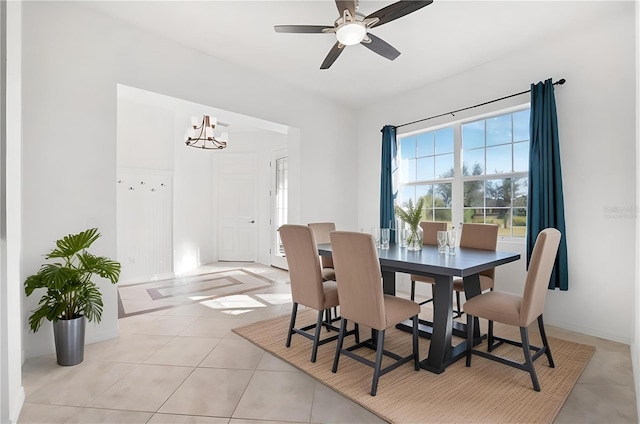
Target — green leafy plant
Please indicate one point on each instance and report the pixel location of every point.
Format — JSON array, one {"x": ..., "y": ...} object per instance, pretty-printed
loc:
[
  {"x": 70, "y": 293},
  {"x": 412, "y": 215}
]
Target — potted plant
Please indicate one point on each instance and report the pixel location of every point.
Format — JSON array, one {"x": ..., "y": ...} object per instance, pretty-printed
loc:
[
  {"x": 71, "y": 297},
  {"x": 412, "y": 215}
]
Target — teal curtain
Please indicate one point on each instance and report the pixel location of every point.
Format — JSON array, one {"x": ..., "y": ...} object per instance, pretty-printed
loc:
[
  {"x": 546, "y": 203},
  {"x": 389, "y": 152}
]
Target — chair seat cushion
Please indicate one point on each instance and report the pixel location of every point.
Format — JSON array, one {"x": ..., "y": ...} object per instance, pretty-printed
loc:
[
  {"x": 496, "y": 306},
  {"x": 330, "y": 289},
  {"x": 423, "y": 279},
  {"x": 486, "y": 283},
  {"x": 398, "y": 309},
  {"x": 328, "y": 274}
]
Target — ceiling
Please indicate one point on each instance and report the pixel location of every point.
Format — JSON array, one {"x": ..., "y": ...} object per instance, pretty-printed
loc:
[{"x": 442, "y": 39}]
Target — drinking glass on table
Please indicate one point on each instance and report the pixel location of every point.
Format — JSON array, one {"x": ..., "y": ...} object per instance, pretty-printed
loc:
[
  {"x": 385, "y": 233},
  {"x": 375, "y": 232},
  {"x": 451, "y": 241},
  {"x": 442, "y": 241}
]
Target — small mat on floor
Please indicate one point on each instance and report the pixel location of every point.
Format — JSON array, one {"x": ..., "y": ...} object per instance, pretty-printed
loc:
[
  {"x": 487, "y": 392},
  {"x": 141, "y": 298}
]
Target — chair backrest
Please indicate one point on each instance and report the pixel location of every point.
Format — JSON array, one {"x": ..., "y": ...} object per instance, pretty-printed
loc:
[
  {"x": 301, "y": 253},
  {"x": 541, "y": 264},
  {"x": 430, "y": 231},
  {"x": 321, "y": 232},
  {"x": 480, "y": 236},
  {"x": 359, "y": 278}
]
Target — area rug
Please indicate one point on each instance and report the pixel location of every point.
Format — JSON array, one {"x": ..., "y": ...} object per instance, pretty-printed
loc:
[
  {"x": 487, "y": 392},
  {"x": 141, "y": 298}
]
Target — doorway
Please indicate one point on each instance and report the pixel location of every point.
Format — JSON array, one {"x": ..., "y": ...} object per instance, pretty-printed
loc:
[{"x": 236, "y": 202}]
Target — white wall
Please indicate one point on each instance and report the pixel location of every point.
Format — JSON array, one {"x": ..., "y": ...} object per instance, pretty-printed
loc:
[
  {"x": 596, "y": 113},
  {"x": 11, "y": 391},
  {"x": 72, "y": 61},
  {"x": 635, "y": 347}
]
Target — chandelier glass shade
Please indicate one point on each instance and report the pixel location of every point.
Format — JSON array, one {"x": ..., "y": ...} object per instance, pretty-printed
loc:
[{"x": 201, "y": 135}]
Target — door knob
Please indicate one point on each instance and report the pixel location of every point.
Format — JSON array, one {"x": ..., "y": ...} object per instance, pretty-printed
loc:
[{"x": 252, "y": 221}]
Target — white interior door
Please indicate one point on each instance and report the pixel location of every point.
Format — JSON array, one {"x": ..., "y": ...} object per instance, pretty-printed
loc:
[{"x": 237, "y": 208}]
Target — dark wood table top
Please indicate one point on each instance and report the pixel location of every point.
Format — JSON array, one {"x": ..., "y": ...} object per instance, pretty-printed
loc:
[{"x": 428, "y": 261}]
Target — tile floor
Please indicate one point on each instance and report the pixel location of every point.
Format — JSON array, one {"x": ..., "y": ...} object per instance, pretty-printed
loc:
[{"x": 185, "y": 365}]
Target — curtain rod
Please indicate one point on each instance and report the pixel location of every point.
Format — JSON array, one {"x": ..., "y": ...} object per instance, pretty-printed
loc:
[{"x": 559, "y": 82}]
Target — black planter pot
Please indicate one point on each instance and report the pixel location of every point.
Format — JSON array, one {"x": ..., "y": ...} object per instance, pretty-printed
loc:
[{"x": 69, "y": 338}]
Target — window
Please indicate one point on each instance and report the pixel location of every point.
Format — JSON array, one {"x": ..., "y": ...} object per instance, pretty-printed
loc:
[
  {"x": 281, "y": 200},
  {"x": 471, "y": 171}
]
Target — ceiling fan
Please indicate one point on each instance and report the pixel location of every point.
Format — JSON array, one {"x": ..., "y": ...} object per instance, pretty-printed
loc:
[{"x": 352, "y": 27}]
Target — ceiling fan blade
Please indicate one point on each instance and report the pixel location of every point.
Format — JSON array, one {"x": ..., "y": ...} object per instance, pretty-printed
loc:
[
  {"x": 348, "y": 4},
  {"x": 306, "y": 29},
  {"x": 397, "y": 10},
  {"x": 332, "y": 55},
  {"x": 381, "y": 47}
]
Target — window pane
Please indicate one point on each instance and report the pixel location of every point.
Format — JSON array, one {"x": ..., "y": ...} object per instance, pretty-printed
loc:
[
  {"x": 442, "y": 215},
  {"x": 473, "y": 162},
  {"x": 403, "y": 171},
  {"x": 444, "y": 140},
  {"x": 499, "y": 159},
  {"x": 444, "y": 166},
  {"x": 408, "y": 147},
  {"x": 442, "y": 195},
  {"x": 499, "y": 130},
  {"x": 411, "y": 171},
  {"x": 498, "y": 193},
  {"x": 521, "y": 156},
  {"x": 502, "y": 218},
  {"x": 520, "y": 192},
  {"x": 519, "y": 225},
  {"x": 521, "y": 125},
  {"x": 406, "y": 193},
  {"x": 425, "y": 144},
  {"x": 474, "y": 193},
  {"x": 424, "y": 190},
  {"x": 425, "y": 169},
  {"x": 473, "y": 135}
]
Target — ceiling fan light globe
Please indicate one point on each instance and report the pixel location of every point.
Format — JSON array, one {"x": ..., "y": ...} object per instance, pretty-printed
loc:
[{"x": 350, "y": 34}]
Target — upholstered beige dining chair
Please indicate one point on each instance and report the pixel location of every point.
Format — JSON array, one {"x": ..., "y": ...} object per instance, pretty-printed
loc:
[
  {"x": 474, "y": 236},
  {"x": 429, "y": 237},
  {"x": 321, "y": 232},
  {"x": 518, "y": 311},
  {"x": 307, "y": 285},
  {"x": 362, "y": 301}
]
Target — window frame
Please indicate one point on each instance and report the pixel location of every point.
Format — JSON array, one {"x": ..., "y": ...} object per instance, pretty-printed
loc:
[{"x": 458, "y": 180}]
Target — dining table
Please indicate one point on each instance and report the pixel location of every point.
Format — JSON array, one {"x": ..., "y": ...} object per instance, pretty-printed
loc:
[{"x": 442, "y": 267}]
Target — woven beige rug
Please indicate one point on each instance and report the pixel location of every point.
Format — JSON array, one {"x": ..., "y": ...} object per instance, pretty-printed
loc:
[{"x": 487, "y": 392}]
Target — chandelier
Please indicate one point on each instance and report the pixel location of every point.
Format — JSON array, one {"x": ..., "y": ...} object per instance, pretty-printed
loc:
[{"x": 202, "y": 137}]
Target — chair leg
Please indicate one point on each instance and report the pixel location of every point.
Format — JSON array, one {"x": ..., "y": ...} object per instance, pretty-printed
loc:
[
  {"x": 416, "y": 356},
  {"x": 413, "y": 290},
  {"x": 545, "y": 343},
  {"x": 343, "y": 328},
  {"x": 316, "y": 336},
  {"x": 294, "y": 312},
  {"x": 470, "y": 321},
  {"x": 459, "y": 311},
  {"x": 376, "y": 370},
  {"x": 490, "y": 337},
  {"x": 328, "y": 319},
  {"x": 524, "y": 333},
  {"x": 357, "y": 330}
]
